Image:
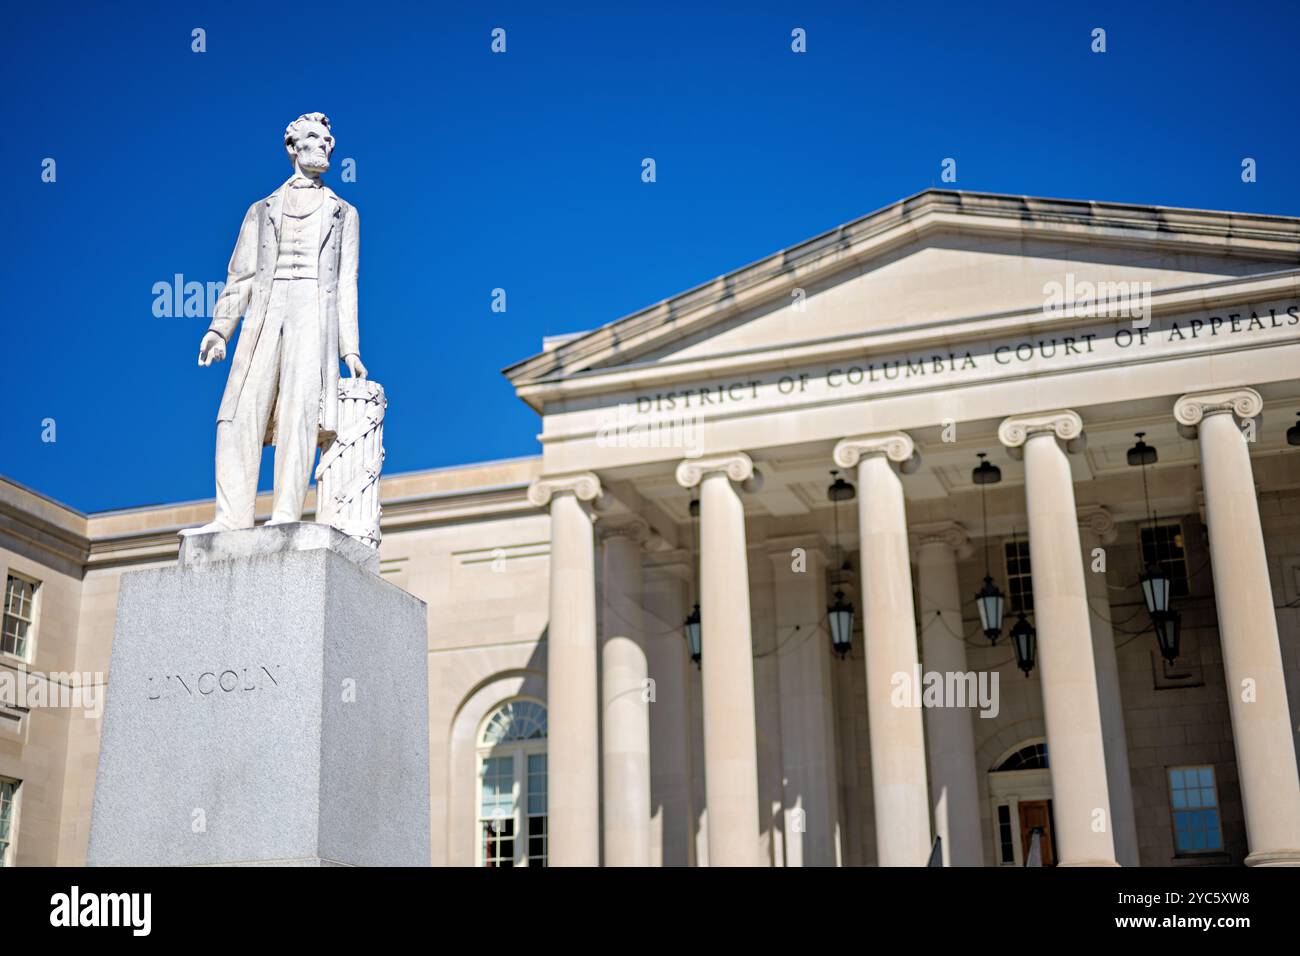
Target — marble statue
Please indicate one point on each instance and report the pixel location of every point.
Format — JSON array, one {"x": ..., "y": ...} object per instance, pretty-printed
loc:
[{"x": 293, "y": 279}]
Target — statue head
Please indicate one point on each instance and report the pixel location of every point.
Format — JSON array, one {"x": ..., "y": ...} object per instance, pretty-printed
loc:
[{"x": 308, "y": 142}]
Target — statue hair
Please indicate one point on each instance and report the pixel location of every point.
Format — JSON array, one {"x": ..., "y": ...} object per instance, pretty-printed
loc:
[{"x": 291, "y": 131}]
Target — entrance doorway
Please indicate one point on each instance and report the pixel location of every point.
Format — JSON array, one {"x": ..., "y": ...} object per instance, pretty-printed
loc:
[
  {"x": 1020, "y": 800},
  {"x": 1036, "y": 818}
]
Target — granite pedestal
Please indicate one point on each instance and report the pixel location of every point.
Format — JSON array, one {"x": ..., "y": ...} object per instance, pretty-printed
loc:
[{"x": 267, "y": 704}]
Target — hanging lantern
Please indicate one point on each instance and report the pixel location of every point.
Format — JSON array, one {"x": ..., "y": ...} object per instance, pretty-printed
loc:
[
  {"x": 1155, "y": 590},
  {"x": 691, "y": 626},
  {"x": 841, "y": 619},
  {"x": 987, "y": 473},
  {"x": 1142, "y": 453},
  {"x": 692, "y": 631},
  {"x": 1169, "y": 634},
  {"x": 840, "y": 490},
  {"x": 991, "y": 604},
  {"x": 1155, "y": 582},
  {"x": 840, "y": 614},
  {"x": 1024, "y": 639},
  {"x": 989, "y": 599}
]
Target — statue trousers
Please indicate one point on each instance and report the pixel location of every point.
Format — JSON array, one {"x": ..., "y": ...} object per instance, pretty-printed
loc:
[{"x": 284, "y": 378}]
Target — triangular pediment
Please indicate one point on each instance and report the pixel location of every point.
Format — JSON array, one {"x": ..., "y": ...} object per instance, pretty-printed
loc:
[{"x": 938, "y": 257}]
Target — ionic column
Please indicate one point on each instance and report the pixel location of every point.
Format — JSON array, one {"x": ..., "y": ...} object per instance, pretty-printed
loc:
[
  {"x": 810, "y": 785},
  {"x": 1252, "y": 656},
  {"x": 625, "y": 709},
  {"x": 573, "y": 755},
  {"x": 672, "y": 827},
  {"x": 898, "y": 777},
  {"x": 1077, "y": 756},
  {"x": 954, "y": 784},
  {"x": 1097, "y": 528},
  {"x": 727, "y": 660}
]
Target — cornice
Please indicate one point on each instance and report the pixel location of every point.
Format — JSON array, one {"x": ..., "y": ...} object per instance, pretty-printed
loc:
[
  {"x": 1150, "y": 227},
  {"x": 631, "y": 375}
]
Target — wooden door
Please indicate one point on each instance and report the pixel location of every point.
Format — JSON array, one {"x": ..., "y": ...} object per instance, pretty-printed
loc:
[{"x": 1037, "y": 815}]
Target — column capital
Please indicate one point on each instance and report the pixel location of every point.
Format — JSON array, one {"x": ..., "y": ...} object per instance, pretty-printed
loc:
[
  {"x": 897, "y": 446},
  {"x": 738, "y": 467},
  {"x": 1063, "y": 422},
  {"x": 1100, "y": 521},
  {"x": 1194, "y": 406},
  {"x": 948, "y": 533},
  {"x": 585, "y": 485},
  {"x": 625, "y": 526}
]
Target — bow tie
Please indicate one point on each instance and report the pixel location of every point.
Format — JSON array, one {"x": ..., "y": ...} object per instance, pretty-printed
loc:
[{"x": 302, "y": 182}]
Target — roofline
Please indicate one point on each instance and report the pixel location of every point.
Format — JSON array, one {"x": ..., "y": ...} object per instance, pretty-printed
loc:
[
  {"x": 43, "y": 496},
  {"x": 909, "y": 209},
  {"x": 137, "y": 509},
  {"x": 70, "y": 542}
]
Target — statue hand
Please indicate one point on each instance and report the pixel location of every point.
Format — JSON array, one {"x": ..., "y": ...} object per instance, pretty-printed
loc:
[
  {"x": 211, "y": 349},
  {"x": 353, "y": 361}
]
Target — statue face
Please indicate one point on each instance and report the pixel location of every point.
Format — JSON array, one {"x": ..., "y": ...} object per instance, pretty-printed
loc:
[{"x": 312, "y": 147}]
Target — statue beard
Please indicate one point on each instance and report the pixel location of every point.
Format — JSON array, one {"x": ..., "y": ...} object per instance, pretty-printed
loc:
[{"x": 310, "y": 166}]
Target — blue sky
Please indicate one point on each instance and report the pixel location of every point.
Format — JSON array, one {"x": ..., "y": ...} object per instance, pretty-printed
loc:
[{"x": 521, "y": 171}]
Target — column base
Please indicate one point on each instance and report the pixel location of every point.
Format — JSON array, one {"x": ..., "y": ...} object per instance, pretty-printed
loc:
[
  {"x": 1274, "y": 858},
  {"x": 1089, "y": 863}
]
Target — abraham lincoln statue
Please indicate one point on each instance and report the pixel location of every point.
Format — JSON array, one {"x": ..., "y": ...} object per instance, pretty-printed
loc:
[{"x": 293, "y": 279}]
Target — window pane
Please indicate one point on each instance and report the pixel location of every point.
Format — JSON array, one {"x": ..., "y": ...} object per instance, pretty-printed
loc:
[
  {"x": 498, "y": 787},
  {"x": 1004, "y": 834},
  {"x": 1193, "y": 797},
  {"x": 1216, "y": 836}
]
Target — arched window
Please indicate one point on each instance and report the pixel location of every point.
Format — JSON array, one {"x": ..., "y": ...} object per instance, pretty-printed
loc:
[
  {"x": 1031, "y": 757},
  {"x": 512, "y": 786}
]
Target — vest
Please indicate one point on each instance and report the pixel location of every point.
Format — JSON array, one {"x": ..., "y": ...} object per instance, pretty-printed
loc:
[{"x": 299, "y": 253}]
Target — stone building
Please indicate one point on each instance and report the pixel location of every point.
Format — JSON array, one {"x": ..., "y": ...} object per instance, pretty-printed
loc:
[{"x": 567, "y": 721}]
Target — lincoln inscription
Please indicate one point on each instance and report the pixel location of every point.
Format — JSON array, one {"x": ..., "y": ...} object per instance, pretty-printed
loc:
[{"x": 219, "y": 682}]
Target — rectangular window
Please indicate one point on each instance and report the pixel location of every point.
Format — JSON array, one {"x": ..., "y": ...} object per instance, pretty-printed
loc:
[
  {"x": 1163, "y": 545},
  {"x": 497, "y": 811},
  {"x": 537, "y": 809},
  {"x": 1020, "y": 583},
  {"x": 1195, "y": 804},
  {"x": 8, "y": 794},
  {"x": 1004, "y": 834},
  {"x": 19, "y": 615}
]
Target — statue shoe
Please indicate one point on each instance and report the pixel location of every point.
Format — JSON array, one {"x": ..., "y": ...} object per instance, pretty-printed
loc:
[{"x": 212, "y": 527}]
